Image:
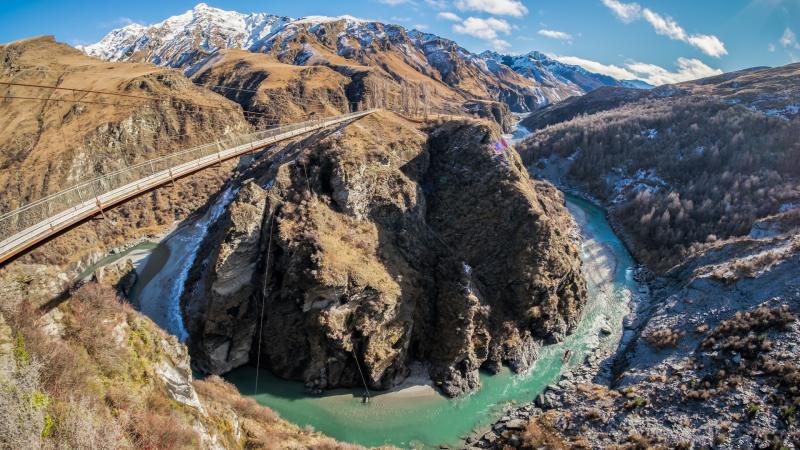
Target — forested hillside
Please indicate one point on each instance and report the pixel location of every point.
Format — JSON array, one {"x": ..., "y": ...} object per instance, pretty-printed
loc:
[{"x": 687, "y": 165}]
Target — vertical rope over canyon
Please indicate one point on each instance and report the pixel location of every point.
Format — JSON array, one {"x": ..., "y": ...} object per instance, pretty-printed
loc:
[{"x": 263, "y": 299}]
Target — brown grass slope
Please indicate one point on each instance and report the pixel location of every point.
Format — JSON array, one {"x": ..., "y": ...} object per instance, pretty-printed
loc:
[
  {"x": 48, "y": 146},
  {"x": 283, "y": 93}
]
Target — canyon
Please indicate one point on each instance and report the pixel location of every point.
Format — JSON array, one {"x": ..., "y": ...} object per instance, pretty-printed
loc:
[
  {"x": 510, "y": 252},
  {"x": 357, "y": 260}
]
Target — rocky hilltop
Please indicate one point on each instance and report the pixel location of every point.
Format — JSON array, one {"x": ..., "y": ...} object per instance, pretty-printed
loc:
[{"x": 382, "y": 244}]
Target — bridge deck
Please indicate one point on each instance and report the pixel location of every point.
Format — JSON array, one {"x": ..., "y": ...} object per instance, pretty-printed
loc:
[{"x": 104, "y": 192}]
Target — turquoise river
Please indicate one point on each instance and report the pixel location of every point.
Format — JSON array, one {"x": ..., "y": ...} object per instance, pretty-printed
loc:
[{"x": 413, "y": 415}]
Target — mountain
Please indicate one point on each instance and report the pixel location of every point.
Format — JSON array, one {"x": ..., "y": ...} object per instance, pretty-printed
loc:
[
  {"x": 181, "y": 39},
  {"x": 348, "y": 45}
]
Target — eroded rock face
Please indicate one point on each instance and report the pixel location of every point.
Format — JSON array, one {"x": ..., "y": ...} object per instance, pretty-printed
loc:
[
  {"x": 390, "y": 245},
  {"x": 220, "y": 312}
]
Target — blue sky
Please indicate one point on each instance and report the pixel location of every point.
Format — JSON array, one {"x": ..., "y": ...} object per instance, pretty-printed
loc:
[{"x": 657, "y": 40}]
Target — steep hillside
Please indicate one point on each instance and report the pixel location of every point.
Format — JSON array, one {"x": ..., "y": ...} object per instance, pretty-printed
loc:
[
  {"x": 277, "y": 92},
  {"x": 48, "y": 145},
  {"x": 381, "y": 245},
  {"x": 773, "y": 92},
  {"x": 680, "y": 166},
  {"x": 343, "y": 43},
  {"x": 92, "y": 373},
  {"x": 73, "y": 136}
]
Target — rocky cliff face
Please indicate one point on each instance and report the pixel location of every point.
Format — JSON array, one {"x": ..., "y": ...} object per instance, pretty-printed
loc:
[
  {"x": 382, "y": 244},
  {"x": 221, "y": 310}
]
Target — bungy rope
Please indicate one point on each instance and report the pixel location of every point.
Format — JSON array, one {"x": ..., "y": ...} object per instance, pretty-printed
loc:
[{"x": 263, "y": 300}]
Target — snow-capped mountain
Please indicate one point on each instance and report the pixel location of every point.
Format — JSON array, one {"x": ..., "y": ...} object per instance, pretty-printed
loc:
[
  {"x": 547, "y": 70},
  {"x": 180, "y": 40},
  {"x": 346, "y": 43}
]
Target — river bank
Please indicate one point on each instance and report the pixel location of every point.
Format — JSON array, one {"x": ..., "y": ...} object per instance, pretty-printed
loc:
[{"x": 605, "y": 260}]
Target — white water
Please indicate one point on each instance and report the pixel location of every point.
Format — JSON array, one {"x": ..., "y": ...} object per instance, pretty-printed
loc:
[{"x": 183, "y": 245}]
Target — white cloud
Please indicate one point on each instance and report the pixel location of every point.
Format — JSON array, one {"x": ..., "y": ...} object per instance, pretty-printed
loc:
[
  {"x": 664, "y": 25},
  {"x": 789, "y": 39},
  {"x": 118, "y": 22},
  {"x": 420, "y": 26},
  {"x": 447, "y": 15},
  {"x": 500, "y": 45},
  {"x": 594, "y": 66},
  {"x": 708, "y": 44},
  {"x": 554, "y": 34},
  {"x": 483, "y": 28},
  {"x": 667, "y": 26},
  {"x": 437, "y": 4},
  {"x": 771, "y": 48},
  {"x": 394, "y": 2},
  {"x": 513, "y": 8},
  {"x": 687, "y": 69},
  {"x": 486, "y": 29},
  {"x": 626, "y": 12}
]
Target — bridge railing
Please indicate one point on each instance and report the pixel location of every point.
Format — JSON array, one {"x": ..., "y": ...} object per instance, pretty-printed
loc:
[{"x": 33, "y": 213}]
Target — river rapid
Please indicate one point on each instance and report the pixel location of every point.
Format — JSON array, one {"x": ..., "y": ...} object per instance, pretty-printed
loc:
[{"x": 413, "y": 415}]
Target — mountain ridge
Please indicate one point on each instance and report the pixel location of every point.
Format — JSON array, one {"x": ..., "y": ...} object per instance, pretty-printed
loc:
[{"x": 525, "y": 83}]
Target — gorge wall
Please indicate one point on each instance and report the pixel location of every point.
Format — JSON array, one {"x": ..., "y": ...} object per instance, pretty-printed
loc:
[{"x": 381, "y": 244}]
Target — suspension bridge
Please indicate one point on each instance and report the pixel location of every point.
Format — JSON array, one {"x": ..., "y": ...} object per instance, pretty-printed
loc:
[{"x": 34, "y": 222}]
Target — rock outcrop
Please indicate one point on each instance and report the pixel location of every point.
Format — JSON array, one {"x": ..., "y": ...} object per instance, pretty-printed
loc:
[
  {"x": 223, "y": 298},
  {"x": 381, "y": 245}
]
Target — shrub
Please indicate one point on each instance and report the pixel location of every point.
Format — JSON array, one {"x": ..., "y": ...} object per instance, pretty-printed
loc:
[
  {"x": 22, "y": 421},
  {"x": 664, "y": 338}
]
